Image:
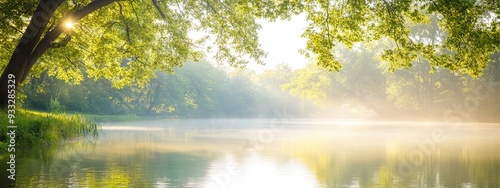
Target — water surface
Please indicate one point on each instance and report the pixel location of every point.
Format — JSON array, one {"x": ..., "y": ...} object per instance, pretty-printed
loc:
[{"x": 270, "y": 153}]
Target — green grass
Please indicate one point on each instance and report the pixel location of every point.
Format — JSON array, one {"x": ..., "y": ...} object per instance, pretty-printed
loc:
[{"x": 41, "y": 129}]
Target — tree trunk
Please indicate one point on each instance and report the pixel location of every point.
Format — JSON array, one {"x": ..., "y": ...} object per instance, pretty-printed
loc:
[
  {"x": 30, "y": 48},
  {"x": 18, "y": 64}
]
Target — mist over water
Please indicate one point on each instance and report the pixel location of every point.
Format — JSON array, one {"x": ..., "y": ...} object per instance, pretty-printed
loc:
[{"x": 271, "y": 153}]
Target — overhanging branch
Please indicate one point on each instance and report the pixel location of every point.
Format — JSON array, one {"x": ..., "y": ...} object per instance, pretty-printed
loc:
[
  {"x": 157, "y": 6},
  {"x": 127, "y": 28},
  {"x": 52, "y": 35}
]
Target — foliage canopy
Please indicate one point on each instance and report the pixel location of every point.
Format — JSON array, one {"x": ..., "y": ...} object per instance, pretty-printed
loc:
[{"x": 126, "y": 41}]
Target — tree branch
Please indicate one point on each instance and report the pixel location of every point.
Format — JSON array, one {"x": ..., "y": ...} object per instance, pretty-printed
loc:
[
  {"x": 51, "y": 35},
  {"x": 63, "y": 43},
  {"x": 393, "y": 31},
  {"x": 227, "y": 20},
  {"x": 11, "y": 26},
  {"x": 127, "y": 28},
  {"x": 157, "y": 6},
  {"x": 72, "y": 63},
  {"x": 135, "y": 13},
  {"x": 327, "y": 20}
]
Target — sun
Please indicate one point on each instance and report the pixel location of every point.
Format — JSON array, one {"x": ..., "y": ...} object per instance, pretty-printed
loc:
[{"x": 69, "y": 24}]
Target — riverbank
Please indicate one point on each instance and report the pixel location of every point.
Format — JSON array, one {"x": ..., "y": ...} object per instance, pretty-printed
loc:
[
  {"x": 119, "y": 118},
  {"x": 41, "y": 129}
]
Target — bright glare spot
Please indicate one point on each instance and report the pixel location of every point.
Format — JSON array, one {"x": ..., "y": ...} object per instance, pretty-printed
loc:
[
  {"x": 258, "y": 171},
  {"x": 69, "y": 25}
]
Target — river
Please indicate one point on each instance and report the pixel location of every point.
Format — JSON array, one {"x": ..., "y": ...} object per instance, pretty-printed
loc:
[{"x": 269, "y": 153}]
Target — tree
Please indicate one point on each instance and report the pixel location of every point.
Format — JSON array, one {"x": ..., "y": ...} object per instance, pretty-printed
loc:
[
  {"x": 125, "y": 41},
  {"x": 472, "y": 28},
  {"x": 360, "y": 81},
  {"x": 273, "y": 96}
]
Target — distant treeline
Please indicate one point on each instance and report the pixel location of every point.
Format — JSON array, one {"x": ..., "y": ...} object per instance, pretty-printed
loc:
[
  {"x": 365, "y": 85},
  {"x": 196, "y": 90}
]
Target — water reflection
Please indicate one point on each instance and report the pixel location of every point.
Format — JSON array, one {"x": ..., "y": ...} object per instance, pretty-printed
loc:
[
  {"x": 401, "y": 157},
  {"x": 255, "y": 170},
  {"x": 200, "y": 153}
]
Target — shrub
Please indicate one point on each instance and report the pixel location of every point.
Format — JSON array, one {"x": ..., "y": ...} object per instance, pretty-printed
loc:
[{"x": 55, "y": 106}]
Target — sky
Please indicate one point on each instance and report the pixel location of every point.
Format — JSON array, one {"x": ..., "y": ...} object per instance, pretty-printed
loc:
[{"x": 281, "y": 40}]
